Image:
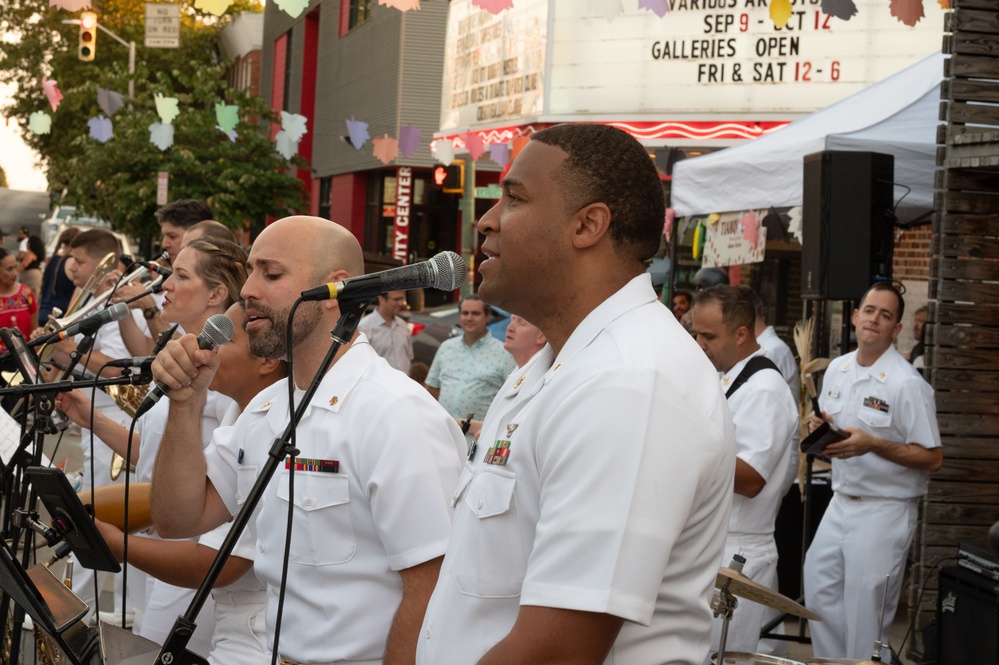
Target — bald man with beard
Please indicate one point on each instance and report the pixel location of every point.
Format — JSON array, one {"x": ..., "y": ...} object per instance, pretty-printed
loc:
[{"x": 378, "y": 460}]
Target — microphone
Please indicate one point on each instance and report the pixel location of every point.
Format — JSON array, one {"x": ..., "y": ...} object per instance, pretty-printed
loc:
[
  {"x": 218, "y": 330},
  {"x": 152, "y": 266},
  {"x": 446, "y": 272},
  {"x": 88, "y": 325},
  {"x": 139, "y": 361}
]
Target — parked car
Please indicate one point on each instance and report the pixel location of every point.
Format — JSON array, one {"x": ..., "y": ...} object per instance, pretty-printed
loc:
[
  {"x": 64, "y": 217},
  {"x": 433, "y": 325}
]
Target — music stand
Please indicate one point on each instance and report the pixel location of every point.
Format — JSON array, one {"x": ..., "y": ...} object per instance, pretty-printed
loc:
[
  {"x": 53, "y": 607},
  {"x": 70, "y": 519}
]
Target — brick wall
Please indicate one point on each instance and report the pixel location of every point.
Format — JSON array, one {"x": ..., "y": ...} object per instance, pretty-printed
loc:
[{"x": 912, "y": 254}]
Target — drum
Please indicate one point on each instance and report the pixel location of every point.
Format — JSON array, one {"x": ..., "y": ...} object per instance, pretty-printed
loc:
[{"x": 754, "y": 659}]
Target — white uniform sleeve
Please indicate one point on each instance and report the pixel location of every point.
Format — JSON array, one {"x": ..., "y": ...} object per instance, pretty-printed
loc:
[
  {"x": 621, "y": 464},
  {"x": 917, "y": 413},
  {"x": 411, "y": 465},
  {"x": 761, "y": 423}
]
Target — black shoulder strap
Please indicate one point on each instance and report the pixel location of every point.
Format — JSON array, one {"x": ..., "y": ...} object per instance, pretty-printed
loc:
[{"x": 755, "y": 364}]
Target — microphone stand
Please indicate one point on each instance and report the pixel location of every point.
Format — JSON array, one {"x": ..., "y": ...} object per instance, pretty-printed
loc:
[{"x": 174, "y": 650}]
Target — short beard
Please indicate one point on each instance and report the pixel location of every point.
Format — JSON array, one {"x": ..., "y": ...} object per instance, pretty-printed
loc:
[{"x": 273, "y": 343}]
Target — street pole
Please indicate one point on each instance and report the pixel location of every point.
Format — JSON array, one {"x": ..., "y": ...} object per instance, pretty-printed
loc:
[{"x": 468, "y": 226}]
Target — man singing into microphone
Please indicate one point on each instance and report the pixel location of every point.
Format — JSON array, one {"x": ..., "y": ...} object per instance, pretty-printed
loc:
[{"x": 378, "y": 459}]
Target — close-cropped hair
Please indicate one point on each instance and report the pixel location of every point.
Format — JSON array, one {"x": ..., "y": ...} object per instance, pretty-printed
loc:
[
  {"x": 211, "y": 229},
  {"x": 97, "y": 243},
  {"x": 184, "y": 213},
  {"x": 735, "y": 302},
  {"x": 887, "y": 286},
  {"x": 608, "y": 165},
  {"x": 220, "y": 263},
  {"x": 486, "y": 307}
]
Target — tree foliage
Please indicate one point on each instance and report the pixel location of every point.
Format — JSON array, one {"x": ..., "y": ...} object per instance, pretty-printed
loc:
[{"x": 243, "y": 180}]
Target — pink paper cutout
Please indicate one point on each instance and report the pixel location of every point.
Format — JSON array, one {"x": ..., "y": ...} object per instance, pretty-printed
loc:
[
  {"x": 385, "y": 148},
  {"x": 473, "y": 142},
  {"x": 51, "y": 89},
  {"x": 493, "y": 6},
  {"x": 907, "y": 11},
  {"x": 70, "y": 5},
  {"x": 750, "y": 228},
  {"x": 401, "y": 5},
  {"x": 668, "y": 223}
]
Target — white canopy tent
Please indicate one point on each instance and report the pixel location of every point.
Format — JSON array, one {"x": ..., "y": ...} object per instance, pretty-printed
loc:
[{"x": 898, "y": 115}]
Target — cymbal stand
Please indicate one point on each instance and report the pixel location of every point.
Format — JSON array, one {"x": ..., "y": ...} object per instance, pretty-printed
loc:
[
  {"x": 723, "y": 605},
  {"x": 882, "y": 641}
]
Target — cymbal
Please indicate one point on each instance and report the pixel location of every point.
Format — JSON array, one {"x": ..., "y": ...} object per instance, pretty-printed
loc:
[{"x": 743, "y": 587}]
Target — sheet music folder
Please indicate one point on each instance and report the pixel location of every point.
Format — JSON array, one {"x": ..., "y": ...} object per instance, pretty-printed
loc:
[
  {"x": 815, "y": 443},
  {"x": 52, "y": 606}
]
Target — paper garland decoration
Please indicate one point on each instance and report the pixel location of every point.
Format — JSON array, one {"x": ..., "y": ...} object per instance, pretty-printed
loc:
[
  {"x": 285, "y": 146},
  {"x": 658, "y": 7},
  {"x": 101, "y": 129},
  {"x": 493, "y": 6},
  {"x": 518, "y": 144},
  {"x": 409, "y": 139},
  {"x": 70, "y": 5},
  {"x": 227, "y": 116},
  {"x": 907, "y": 11},
  {"x": 358, "y": 133},
  {"x": 473, "y": 143},
  {"x": 216, "y": 7},
  {"x": 109, "y": 101},
  {"x": 500, "y": 153},
  {"x": 294, "y": 125},
  {"x": 52, "y": 92},
  {"x": 794, "y": 223},
  {"x": 750, "y": 228},
  {"x": 167, "y": 108},
  {"x": 444, "y": 151},
  {"x": 40, "y": 122},
  {"x": 698, "y": 245},
  {"x": 385, "y": 148},
  {"x": 230, "y": 133},
  {"x": 401, "y": 5},
  {"x": 161, "y": 135},
  {"x": 292, "y": 8},
  {"x": 780, "y": 12},
  {"x": 668, "y": 223},
  {"x": 841, "y": 9}
]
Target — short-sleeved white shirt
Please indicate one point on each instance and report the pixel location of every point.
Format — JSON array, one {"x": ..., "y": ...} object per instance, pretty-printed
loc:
[
  {"x": 778, "y": 351},
  {"x": 601, "y": 482},
  {"x": 389, "y": 457},
  {"x": 766, "y": 433},
  {"x": 889, "y": 400},
  {"x": 468, "y": 377},
  {"x": 390, "y": 340}
]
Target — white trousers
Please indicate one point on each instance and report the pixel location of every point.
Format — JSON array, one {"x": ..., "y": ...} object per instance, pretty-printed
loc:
[
  {"x": 760, "y": 552},
  {"x": 858, "y": 544},
  {"x": 164, "y": 603}
]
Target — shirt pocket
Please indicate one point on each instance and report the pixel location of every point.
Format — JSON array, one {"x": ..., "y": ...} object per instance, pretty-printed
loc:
[
  {"x": 874, "y": 418},
  {"x": 322, "y": 533},
  {"x": 493, "y": 562},
  {"x": 832, "y": 406}
]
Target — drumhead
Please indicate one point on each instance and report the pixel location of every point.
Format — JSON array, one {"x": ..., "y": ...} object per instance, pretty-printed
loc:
[{"x": 754, "y": 659}]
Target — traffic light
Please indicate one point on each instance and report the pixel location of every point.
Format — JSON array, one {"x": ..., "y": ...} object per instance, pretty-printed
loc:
[
  {"x": 451, "y": 178},
  {"x": 88, "y": 36}
]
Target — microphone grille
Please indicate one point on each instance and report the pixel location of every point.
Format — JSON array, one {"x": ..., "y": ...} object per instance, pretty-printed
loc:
[
  {"x": 449, "y": 271},
  {"x": 117, "y": 311},
  {"x": 218, "y": 329}
]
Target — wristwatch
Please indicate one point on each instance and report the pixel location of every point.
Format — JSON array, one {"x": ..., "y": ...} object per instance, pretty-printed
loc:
[{"x": 150, "y": 312}]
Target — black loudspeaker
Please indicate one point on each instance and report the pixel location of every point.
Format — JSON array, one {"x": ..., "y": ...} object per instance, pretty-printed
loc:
[
  {"x": 847, "y": 223},
  {"x": 967, "y": 618}
]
